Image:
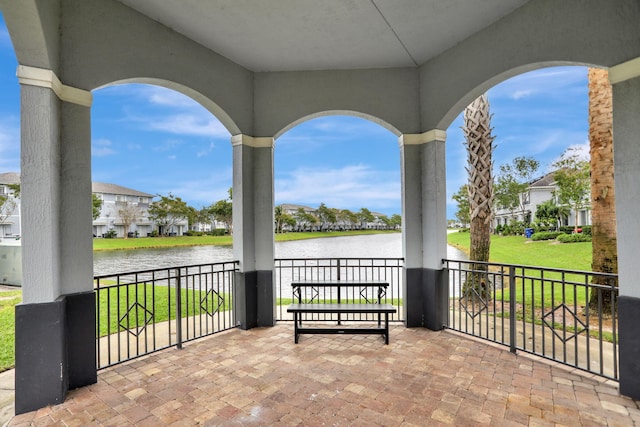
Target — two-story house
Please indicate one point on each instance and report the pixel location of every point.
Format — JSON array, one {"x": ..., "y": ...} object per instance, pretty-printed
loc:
[{"x": 539, "y": 191}]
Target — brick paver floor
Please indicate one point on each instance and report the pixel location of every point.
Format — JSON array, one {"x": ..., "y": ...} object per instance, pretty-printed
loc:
[{"x": 260, "y": 377}]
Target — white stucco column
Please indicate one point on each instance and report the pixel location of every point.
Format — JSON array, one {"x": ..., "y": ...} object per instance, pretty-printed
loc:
[
  {"x": 424, "y": 199},
  {"x": 626, "y": 150},
  {"x": 253, "y": 228},
  {"x": 55, "y": 187},
  {"x": 424, "y": 225},
  {"x": 55, "y": 323}
]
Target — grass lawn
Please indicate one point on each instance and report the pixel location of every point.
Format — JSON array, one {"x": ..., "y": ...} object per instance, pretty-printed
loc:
[
  {"x": 523, "y": 251},
  {"x": 8, "y": 301},
  {"x": 161, "y": 242}
]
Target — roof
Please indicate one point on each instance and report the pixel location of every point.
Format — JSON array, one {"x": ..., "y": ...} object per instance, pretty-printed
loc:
[
  {"x": 101, "y": 187},
  {"x": 10, "y": 178},
  {"x": 290, "y": 207},
  {"x": 545, "y": 181}
]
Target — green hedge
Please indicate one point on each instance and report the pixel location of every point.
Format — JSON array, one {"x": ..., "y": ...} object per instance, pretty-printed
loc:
[
  {"x": 546, "y": 235},
  {"x": 573, "y": 238}
]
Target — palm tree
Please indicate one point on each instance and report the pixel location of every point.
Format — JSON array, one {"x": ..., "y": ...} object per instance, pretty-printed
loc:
[
  {"x": 479, "y": 141},
  {"x": 603, "y": 206}
]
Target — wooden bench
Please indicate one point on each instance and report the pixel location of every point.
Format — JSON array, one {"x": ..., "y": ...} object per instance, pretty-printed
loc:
[{"x": 313, "y": 298}]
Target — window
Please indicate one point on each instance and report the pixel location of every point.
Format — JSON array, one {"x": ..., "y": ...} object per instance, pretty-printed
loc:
[
  {"x": 3, "y": 191},
  {"x": 144, "y": 200},
  {"x": 121, "y": 198}
]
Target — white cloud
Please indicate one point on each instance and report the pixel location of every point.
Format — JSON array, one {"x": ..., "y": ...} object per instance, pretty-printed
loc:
[
  {"x": 202, "y": 191},
  {"x": 522, "y": 93},
  {"x": 191, "y": 124},
  {"x": 206, "y": 151},
  {"x": 544, "y": 82},
  {"x": 168, "y": 145},
  {"x": 172, "y": 157},
  {"x": 351, "y": 187},
  {"x": 102, "y": 148}
]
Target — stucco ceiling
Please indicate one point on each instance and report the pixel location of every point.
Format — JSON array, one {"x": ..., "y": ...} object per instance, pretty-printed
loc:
[{"x": 286, "y": 35}]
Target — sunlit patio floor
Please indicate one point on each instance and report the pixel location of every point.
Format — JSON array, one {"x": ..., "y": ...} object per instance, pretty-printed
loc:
[{"x": 260, "y": 377}]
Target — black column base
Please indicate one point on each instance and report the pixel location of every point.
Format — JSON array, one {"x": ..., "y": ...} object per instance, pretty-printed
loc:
[
  {"x": 255, "y": 299},
  {"x": 426, "y": 293},
  {"x": 629, "y": 345},
  {"x": 55, "y": 350}
]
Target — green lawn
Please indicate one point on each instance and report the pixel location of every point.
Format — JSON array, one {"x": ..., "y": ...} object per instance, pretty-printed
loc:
[{"x": 523, "y": 251}]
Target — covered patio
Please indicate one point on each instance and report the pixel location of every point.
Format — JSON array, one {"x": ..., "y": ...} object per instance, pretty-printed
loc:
[
  {"x": 261, "y": 68},
  {"x": 260, "y": 377}
]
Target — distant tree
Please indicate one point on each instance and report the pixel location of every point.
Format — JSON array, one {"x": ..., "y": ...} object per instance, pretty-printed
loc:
[
  {"x": 7, "y": 207},
  {"x": 365, "y": 216},
  {"x": 463, "y": 214},
  {"x": 396, "y": 221},
  {"x": 573, "y": 182},
  {"x": 282, "y": 218},
  {"x": 195, "y": 216},
  {"x": 168, "y": 211},
  {"x": 513, "y": 182},
  {"x": 348, "y": 218},
  {"x": 96, "y": 205},
  {"x": 129, "y": 213},
  {"x": 327, "y": 216},
  {"x": 222, "y": 211},
  {"x": 304, "y": 219}
]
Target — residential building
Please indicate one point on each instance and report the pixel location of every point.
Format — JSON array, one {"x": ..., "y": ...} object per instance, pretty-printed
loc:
[
  {"x": 540, "y": 190},
  {"x": 10, "y": 212},
  {"x": 118, "y": 202}
]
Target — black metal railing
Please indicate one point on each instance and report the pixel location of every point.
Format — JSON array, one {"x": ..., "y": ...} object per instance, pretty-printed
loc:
[
  {"x": 566, "y": 316},
  {"x": 344, "y": 269},
  {"x": 141, "y": 312}
]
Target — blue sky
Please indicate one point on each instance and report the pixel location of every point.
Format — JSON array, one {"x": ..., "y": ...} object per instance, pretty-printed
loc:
[{"x": 158, "y": 141}]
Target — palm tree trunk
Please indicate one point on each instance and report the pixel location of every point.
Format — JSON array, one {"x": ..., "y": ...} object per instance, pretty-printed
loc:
[
  {"x": 479, "y": 142},
  {"x": 603, "y": 207}
]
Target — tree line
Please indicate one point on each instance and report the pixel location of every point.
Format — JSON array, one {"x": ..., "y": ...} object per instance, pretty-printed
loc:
[{"x": 330, "y": 219}]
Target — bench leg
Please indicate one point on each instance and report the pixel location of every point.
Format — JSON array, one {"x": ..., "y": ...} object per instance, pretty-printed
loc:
[
  {"x": 386, "y": 328},
  {"x": 295, "y": 327}
]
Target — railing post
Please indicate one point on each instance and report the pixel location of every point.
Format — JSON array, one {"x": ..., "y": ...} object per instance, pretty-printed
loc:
[
  {"x": 512, "y": 309},
  {"x": 178, "y": 310}
]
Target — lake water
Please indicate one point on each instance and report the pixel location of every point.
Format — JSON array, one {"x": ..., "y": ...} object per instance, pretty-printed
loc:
[{"x": 366, "y": 246}]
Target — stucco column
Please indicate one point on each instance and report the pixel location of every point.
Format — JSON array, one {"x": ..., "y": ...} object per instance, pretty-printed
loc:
[
  {"x": 424, "y": 228},
  {"x": 55, "y": 324},
  {"x": 253, "y": 230},
  {"x": 626, "y": 150}
]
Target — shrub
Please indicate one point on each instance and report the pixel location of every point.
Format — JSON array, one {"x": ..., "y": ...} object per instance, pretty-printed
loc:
[
  {"x": 193, "y": 233},
  {"x": 217, "y": 232},
  {"x": 111, "y": 234},
  {"x": 546, "y": 235},
  {"x": 574, "y": 238},
  {"x": 153, "y": 233}
]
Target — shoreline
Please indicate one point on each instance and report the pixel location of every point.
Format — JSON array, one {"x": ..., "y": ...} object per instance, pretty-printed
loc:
[{"x": 187, "y": 241}]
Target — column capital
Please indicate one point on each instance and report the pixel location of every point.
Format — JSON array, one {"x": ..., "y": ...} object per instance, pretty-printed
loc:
[
  {"x": 422, "y": 138},
  {"x": 625, "y": 71},
  {"x": 250, "y": 141},
  {"x": 42, "y": 77}
]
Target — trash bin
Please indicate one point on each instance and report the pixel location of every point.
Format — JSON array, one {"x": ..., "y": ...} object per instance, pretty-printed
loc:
[{"x": 528, "y": 232}]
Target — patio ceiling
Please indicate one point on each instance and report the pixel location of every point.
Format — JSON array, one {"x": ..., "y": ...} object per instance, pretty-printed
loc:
[{"x": 288, "y": 35}]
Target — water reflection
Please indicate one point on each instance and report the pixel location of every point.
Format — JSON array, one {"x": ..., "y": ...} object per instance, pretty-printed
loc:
[{"x": 368, "y": 246}]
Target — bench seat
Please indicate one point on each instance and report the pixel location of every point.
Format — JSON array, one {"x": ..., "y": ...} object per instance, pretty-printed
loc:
[{"x": 299, "y": 309}]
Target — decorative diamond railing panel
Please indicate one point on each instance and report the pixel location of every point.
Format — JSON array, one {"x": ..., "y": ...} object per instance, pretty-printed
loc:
[
  {"x": 132, "y": 317},
  {"x": 211, "y": 302},
  {"x": 577, "y": 330},
  {"x": 473, "y": 303}
]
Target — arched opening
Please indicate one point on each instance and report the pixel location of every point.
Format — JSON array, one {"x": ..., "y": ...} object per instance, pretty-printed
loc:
[
  {"x": 154, "y": 141},
  {"x": 538, "y": 115},
  {"x": 338, "y": 176}
]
